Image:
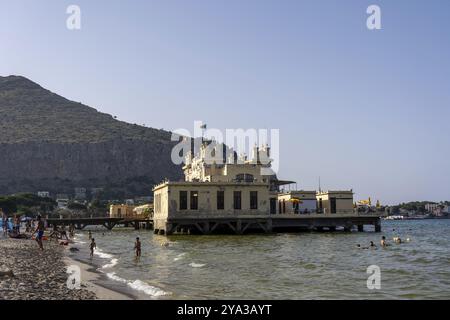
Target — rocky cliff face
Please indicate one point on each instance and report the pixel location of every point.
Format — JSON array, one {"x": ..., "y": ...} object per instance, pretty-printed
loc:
[{"x": 50, "y": 143}]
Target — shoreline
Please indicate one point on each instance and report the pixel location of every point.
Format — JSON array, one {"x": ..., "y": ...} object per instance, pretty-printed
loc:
[{"x": 94, "y": 281}]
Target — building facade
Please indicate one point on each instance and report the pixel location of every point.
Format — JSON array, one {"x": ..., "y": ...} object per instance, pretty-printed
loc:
[
  {"x": 332, "y": 202},
  {"x": 121, "y": 211}
]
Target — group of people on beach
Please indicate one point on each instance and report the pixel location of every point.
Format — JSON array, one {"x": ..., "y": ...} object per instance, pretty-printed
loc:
[
  {"x": 383, "y": 243},
  {"x": 33, "y": 227},
  {"x": 93, "y": 246}
]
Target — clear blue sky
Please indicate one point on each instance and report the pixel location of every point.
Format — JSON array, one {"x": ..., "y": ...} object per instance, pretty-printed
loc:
[{"x": 368, "y": 110}]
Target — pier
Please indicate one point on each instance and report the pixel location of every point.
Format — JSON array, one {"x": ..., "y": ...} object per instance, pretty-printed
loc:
[
  {"x": 233, "y": 225},
  {"x": 108, "y": 223},
  {"x": 276, "y": 223}
]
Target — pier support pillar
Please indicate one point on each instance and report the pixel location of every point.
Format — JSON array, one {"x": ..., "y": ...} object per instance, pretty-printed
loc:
[
  {"x": 239, "y": 227},
  {"x": 378, "y": 227},
  {"x": 360, "y": 228}
]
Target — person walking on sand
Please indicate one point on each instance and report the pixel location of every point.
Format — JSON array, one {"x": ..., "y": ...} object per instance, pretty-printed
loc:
[
  {"x": 92, "y": 246},
  {"x": 40, "y": 232},
  {"x": 137, "y": 247}
]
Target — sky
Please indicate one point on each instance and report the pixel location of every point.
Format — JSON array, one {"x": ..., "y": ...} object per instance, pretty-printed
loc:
[{"x": 367, "y": 110}]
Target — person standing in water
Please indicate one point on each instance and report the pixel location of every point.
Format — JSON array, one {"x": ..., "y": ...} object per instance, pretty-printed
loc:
[
  {"x": 383, "y": 241},
  {"x": 40, "y": 232},
  {"x": 92, "y": 246},
  {"x": 137, "y": 247},
  {"x": 90, "y": 235}
]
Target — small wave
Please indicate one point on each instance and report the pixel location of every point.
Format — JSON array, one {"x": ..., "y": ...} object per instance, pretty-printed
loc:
[
  {"x": 113, "y": 276},
  {"x": 112, "y": 263},
  {"x": 146, "y": 288},
  {"x": 179, "y": 257},
  {"x": 196, "y": 265},
  {"x": 139, "y": 285},
  {"x": 102, "y": 254}
]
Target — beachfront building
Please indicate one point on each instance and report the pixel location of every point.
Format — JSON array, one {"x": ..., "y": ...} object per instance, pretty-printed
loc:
[
  {"x": 43, "y": 194},
  {"x": 121, "y": 211},
  {"x": 295, "y": 202},
  {"x": 240, "y": 194},
  {"x": 143, "y": 211},
  {"x": 332, "y": 202},
  {"x": 62, "y": 201},
  {"x": 216, "y": 188}
]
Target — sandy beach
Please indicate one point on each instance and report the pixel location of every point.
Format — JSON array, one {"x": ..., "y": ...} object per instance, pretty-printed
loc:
[{"x": 27, "y": 273}]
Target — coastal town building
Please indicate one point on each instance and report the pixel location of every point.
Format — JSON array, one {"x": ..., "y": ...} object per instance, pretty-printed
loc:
[
  {"x": 296, "y": 202},
  {"x": 335, "y": 202},
  {"x": 227, "y": 190},
  {"x": 62, "y": 201},
  {"x": 43, "y": 194},
  {"x": 121, "y": 211},
  {"x": 80, "y": 193},
  {"x": 431, "y": 207},
  {"x": 143, "y": 211}
]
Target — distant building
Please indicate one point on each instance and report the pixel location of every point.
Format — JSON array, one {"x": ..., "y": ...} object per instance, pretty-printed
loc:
[
  {"x": 121, "y": 211},
  {"x": 431, "y": 207},
  {"x": 80, "y": 194},
  {"x": 143, "y": 211},
  {"x": 296, "y": 202},
  {"x": 62, "y": 201},
  {"x": 43, "y": 194},
  {"x": 95, "y": 192},
  {"x": 335, "y": 202}
]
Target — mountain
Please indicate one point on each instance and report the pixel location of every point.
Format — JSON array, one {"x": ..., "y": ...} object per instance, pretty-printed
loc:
[{"x": 53, "y": 144}]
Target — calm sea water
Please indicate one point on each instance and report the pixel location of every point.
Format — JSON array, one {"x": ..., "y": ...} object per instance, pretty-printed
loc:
[{"x": 280, "y": 266}]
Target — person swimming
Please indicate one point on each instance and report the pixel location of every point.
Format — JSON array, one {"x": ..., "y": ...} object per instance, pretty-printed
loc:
[
  {"x": 383, "y": 242},
  {"x": 397, "y": 240},
  {"x": 372, "y": 245}
]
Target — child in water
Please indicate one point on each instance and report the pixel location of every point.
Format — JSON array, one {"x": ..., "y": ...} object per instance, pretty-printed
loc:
[
  {"x": 137, "y": 247},
  {"x": 92, "y": 246}
]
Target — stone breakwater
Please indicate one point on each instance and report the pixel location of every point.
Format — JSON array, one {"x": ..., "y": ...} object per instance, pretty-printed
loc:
[{"x": 27, "y": 273}]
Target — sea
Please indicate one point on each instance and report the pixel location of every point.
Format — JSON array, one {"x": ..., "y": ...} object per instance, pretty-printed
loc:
[{"x": 306, "y": 265}]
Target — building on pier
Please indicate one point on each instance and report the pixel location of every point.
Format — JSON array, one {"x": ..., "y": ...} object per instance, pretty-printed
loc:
[{"x": 221, "y": 188}]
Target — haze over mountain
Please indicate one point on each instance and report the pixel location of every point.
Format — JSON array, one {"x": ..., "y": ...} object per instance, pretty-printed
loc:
[{"x": 50, "y": 143}]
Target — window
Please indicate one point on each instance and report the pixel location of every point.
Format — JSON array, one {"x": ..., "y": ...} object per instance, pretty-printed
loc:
[
  {"x": 254, "y": 200},
  {"x": 220, "y": 200},
  {"x": 183, "y": 200},
  {"x": 237, "y": 200},
  {"x": 245, "y": 177},
  {"x": 194, "y": 200},
  {"x": 119, "y": 212}
]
